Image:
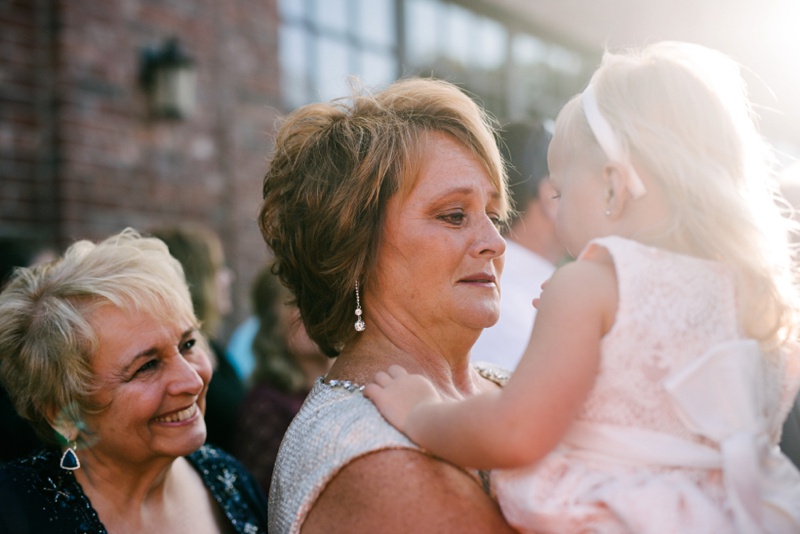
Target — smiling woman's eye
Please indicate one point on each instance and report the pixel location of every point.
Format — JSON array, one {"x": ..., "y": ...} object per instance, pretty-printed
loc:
[
  {"x": 148, "y": 366},
  {"x": 188, "y": 345}
]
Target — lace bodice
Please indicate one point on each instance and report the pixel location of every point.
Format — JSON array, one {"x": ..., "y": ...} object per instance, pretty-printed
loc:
[{"x": 662, "y": 323}]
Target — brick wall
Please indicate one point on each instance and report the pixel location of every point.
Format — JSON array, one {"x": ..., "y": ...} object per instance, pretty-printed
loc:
[{"x": 81, "y": 158}]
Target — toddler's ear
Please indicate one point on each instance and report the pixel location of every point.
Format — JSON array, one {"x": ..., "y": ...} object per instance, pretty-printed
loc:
[{"x": 617, "y": 179}]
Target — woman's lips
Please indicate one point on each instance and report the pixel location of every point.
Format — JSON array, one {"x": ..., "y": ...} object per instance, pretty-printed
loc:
[
  {"x": 479, "y": 278},
  {"x": 180, "y": 415}
]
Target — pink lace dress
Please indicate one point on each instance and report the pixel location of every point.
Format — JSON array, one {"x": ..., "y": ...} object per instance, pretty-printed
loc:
[{"x": 679, "y": 433}]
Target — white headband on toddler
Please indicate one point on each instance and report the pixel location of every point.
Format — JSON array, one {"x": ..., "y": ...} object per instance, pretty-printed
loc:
[{"x": 608, "y": 141}]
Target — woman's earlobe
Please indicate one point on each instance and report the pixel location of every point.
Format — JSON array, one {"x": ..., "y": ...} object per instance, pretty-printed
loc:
[{"x": 65, "y": 429}]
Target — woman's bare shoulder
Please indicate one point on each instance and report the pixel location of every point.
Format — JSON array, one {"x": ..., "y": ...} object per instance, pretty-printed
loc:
[{"x": 404, "y": 490}]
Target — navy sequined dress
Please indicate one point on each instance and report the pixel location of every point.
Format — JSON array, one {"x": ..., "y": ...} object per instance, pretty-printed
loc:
[{"x": 38, "y": 497}]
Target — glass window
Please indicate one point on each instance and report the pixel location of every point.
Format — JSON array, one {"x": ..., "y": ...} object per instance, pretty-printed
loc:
[
  {"x": 457, "y": 34},
  {"x": 422, "y": 30},
  {"x": 528, "y": 50},
  {"x": 325, "y": 42},
  {"x": 491, "y": 44},
  {"x": 294, "y": 10},
  {"x": 564, "y": 60},
  {"x": 376, "y": 22},
  {"x": 333, "y": 69},
  {"x": 330, "y": 15},
  {"x": 377, "y": 69},
  {"x": 513, "y": 72},
  {"x": 293, "y": 56}
]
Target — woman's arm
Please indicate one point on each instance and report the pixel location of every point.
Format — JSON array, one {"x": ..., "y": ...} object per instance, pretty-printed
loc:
[
  {"x": 522, "y": 422},
  {"x": 401, "y": 491}
]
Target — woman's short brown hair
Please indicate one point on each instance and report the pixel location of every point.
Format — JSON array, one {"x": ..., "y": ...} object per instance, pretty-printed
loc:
[
  {"x": 335, "y": 167},
  {"x": 46, "y": 337}
]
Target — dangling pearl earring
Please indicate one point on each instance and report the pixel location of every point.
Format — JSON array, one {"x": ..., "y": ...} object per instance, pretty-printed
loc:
[{"x": 359, "y": 324}]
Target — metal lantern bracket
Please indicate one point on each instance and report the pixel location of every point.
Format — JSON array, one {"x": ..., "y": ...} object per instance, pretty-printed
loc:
[{"x": 168, "y": 77}]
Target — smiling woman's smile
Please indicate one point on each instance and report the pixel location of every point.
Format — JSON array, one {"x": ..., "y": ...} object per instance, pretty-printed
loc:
[{"x": 180, "y": 416}]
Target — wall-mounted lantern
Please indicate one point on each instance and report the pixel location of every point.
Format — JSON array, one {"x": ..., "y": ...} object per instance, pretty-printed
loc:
[{"x": 169, "y": 79}]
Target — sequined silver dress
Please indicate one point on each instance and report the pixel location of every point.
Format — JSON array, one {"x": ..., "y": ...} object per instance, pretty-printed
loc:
[{"x": 334, "y": 427}]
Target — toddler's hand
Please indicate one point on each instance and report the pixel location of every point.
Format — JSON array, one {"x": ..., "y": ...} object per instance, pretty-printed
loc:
[
  {"x": 396, "y": 393},
  {"x": 536, "y": 299}
]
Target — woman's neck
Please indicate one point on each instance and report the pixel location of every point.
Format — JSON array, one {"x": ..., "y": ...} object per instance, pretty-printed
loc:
[
  {"x": 451, "y": 374},
  {"x": 167, "y": 496},
  {"x": 120, "y": 486}
]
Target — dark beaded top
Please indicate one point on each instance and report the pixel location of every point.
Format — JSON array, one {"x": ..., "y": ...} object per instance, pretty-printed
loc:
[{"x": 37, "y": 496}]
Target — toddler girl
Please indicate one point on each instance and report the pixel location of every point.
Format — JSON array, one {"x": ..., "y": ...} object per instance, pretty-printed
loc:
[{"x": 662, "y": 361}]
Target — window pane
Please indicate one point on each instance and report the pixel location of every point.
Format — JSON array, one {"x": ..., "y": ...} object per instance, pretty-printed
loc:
[
  {"x": 332, "y": 69},
  {"x": 528, "y": 50},
  {"x": 458, "y": 34},
  {"x": 292, "y": 10},
  {"x": 330, "y": 15},
  {"x": 564, "y": 60},
  {"x": 490, "y": 44},
  {"x": 422, "y": 24},
  {"x": 377, "y": 69},
  {"x": 294, "y": 66},
  {"x": 376, "y": 22}
]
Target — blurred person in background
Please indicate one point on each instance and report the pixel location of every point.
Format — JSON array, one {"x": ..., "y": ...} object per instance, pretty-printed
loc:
[
  {"x": 102, "y": 352},
  {"x": 533, "y": 249},
  {"x": 287, "y": 363},
  {"x": 200, "y": 252},
  {"x": 240, "y": 348}
]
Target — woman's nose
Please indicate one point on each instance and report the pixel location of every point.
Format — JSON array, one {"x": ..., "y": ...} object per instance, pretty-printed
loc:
[
  {"x": 184, "y": 377},
  {"x": 490, "y": 243}
]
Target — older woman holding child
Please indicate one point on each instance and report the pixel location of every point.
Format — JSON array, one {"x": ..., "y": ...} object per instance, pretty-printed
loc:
[{"x": 384, "y": 213}]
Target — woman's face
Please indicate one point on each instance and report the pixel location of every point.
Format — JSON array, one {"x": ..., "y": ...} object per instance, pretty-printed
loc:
[
  {"x": 152, "y": 376},
  {"x": 441, "y": 253}
]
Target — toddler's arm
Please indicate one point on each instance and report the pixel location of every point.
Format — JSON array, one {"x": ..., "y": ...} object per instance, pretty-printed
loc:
[{"x": 524, "y": 421}]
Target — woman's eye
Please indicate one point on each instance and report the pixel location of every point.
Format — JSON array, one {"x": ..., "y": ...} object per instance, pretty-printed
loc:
[
  {"x": 556, "y": 196},
  {"x": 456, "y": 218},
  {"x": 496, "y": 221},
  {"x": 188, "y": 345},
  {"x": 148, "y": 366}
]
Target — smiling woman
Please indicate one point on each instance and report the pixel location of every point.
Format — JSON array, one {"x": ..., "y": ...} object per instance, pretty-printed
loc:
[{"x": 101, "y": 351}]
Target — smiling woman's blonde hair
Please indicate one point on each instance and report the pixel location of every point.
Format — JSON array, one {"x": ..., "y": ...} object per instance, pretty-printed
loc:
[
  {"x": 335, "y": 167},
  {"x": 46, "y": 335}
]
